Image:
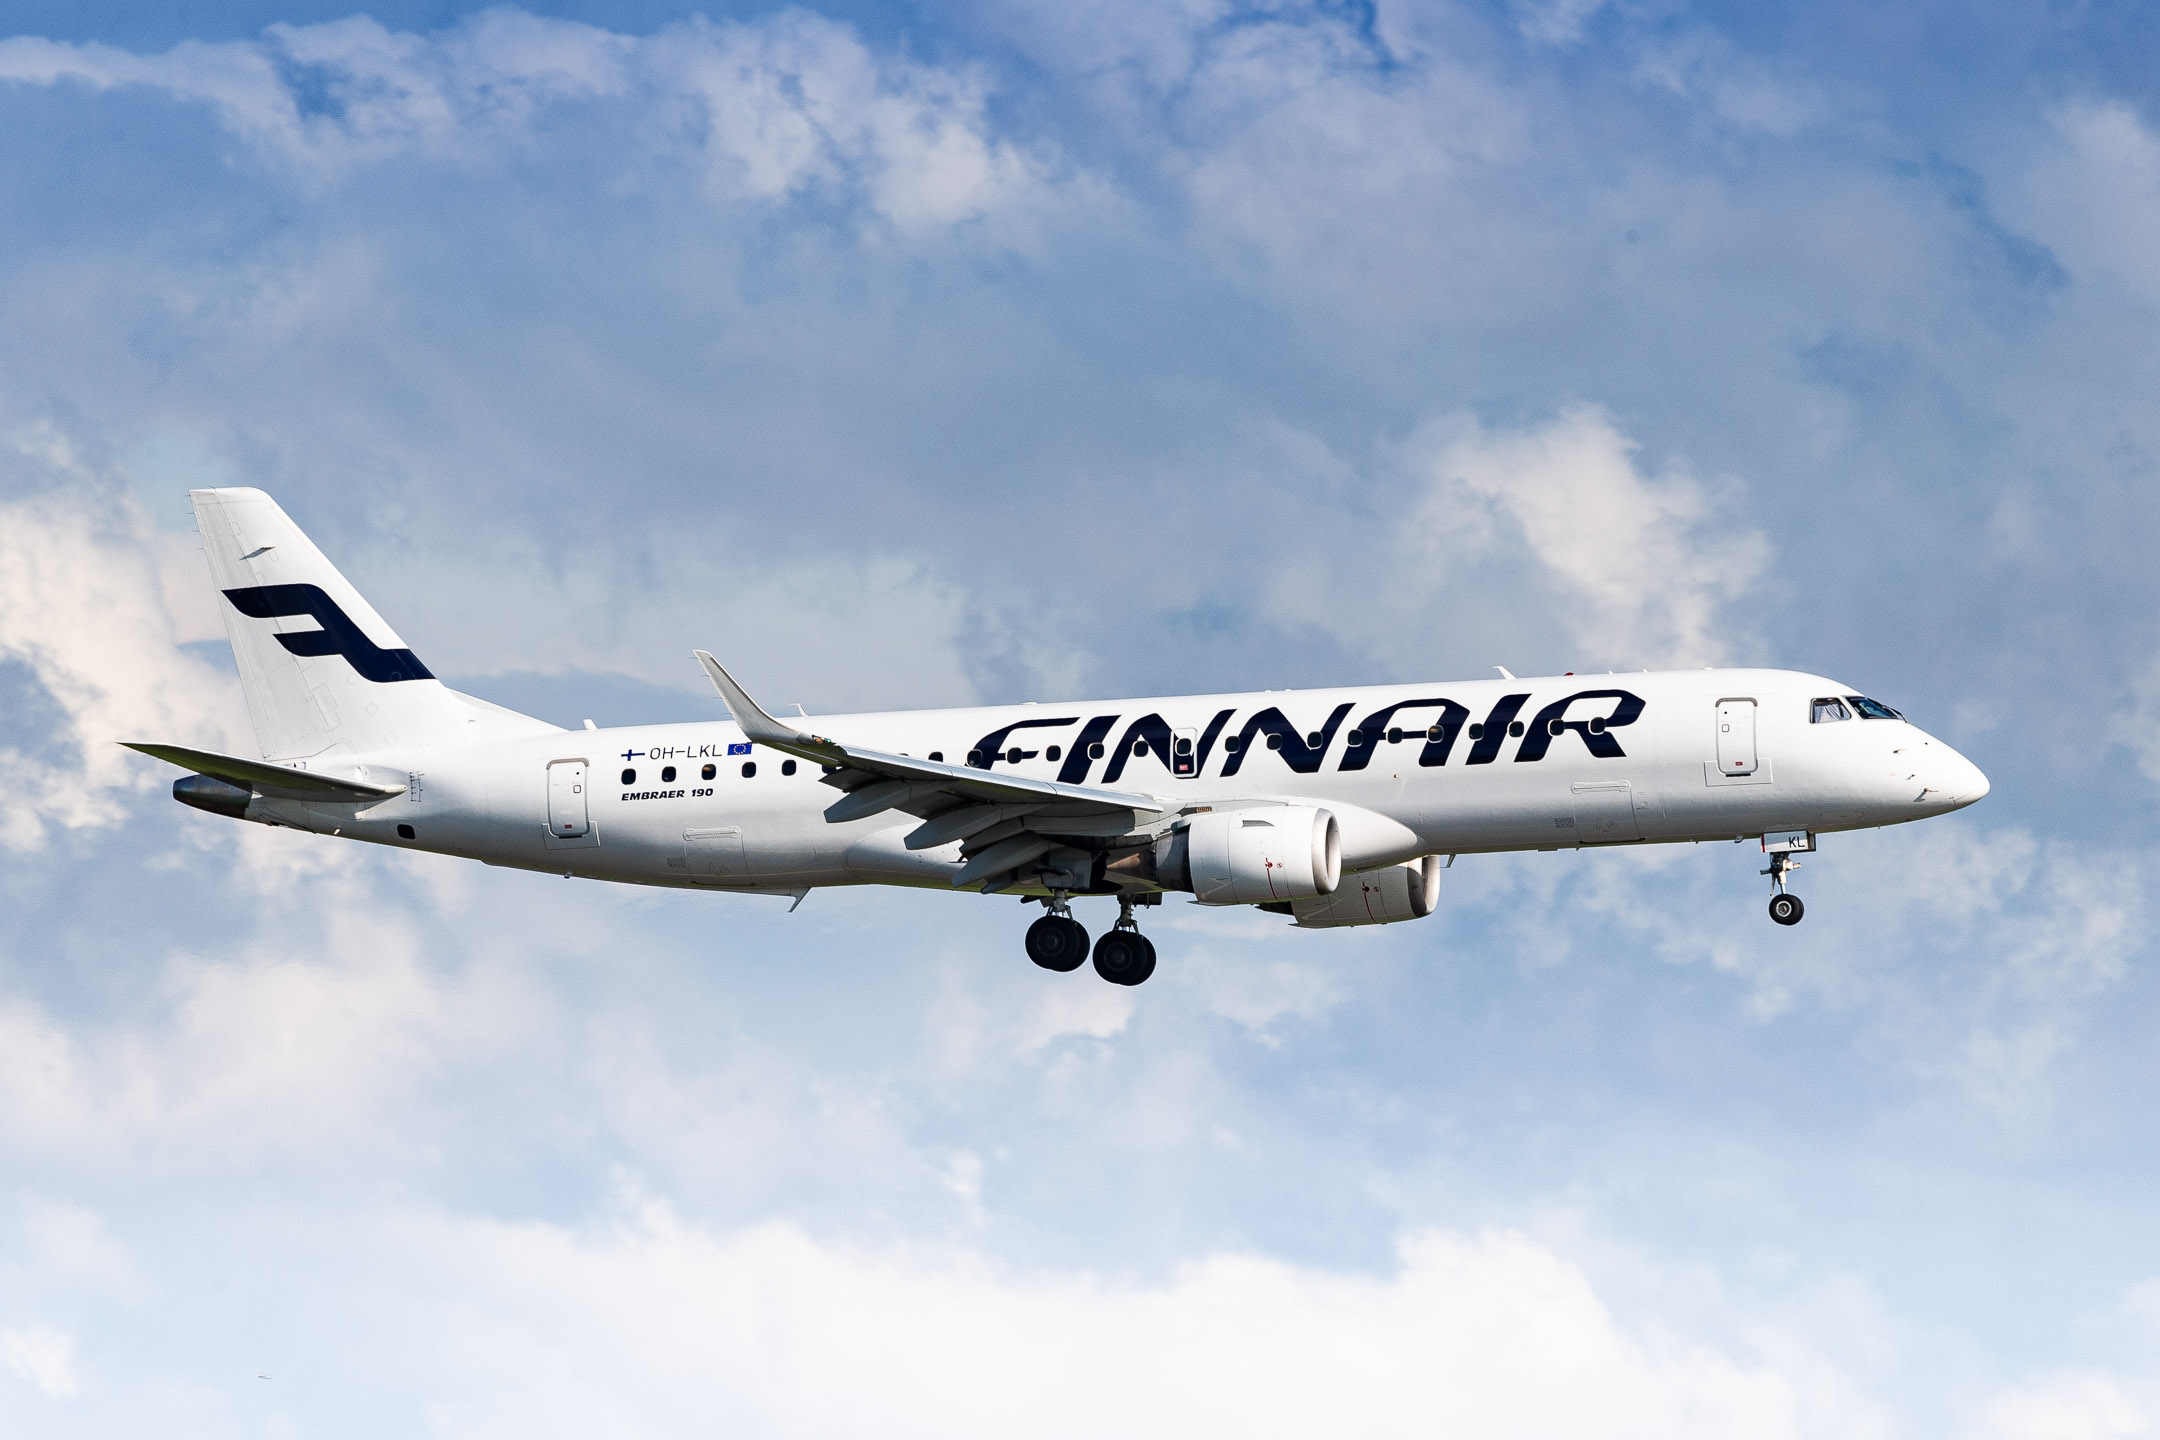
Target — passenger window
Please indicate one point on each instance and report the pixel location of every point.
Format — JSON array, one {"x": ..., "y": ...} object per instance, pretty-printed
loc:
[
  {"x": 1012, "y": 756},
  {"x": 1139, "y": 747},
  {"x": 1184, "y": 747},
  {"x": 629, "y": 777},
  {"x": 1828, "y": 708},
  {"x": 787, "y": 767},
  {"x": 1394, "y": 735},
  {"x": 1477, "y": 731},
  {"x": 975, "y": 759},
  {"x": 1357, "y": 738},
  {"x": 749, "y": 769},
  {"x": 1312, "y": 740},
  {"x": 1515, "y": 729},
  {"x": 667, "y": 775},
  {"x": 1232, "y": 744},
  {"x": 708, "y": 772},
  {"x": 1052, "y": 753},
  {"x": 938, "y": 756},
  {"x": 1873, "y": 709},
  {"x": 1274, "y": 741},
  {"x": 1095, "y": 752}
]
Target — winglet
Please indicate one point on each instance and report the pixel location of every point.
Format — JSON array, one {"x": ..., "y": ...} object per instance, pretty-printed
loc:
[{"x": 749, "y": 715}]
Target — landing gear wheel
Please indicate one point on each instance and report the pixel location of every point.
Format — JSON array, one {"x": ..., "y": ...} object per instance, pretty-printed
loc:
[
  {"x": 1124, "y": 957},
  {"x": 1786, "y": 909},
  {"x": 1057, "y": 942}
]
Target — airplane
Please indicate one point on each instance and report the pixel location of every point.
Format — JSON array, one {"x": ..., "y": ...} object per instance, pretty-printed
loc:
[{"x": 1332, "y": 807}]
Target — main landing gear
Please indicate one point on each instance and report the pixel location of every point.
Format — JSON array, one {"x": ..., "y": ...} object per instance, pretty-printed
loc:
[
  {"x": 1058, "y": 942},
  {"x": 1785, "y": 909},
  {"x": 1124, "y": 956}
]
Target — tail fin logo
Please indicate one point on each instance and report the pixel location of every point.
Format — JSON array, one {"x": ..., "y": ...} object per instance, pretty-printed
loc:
[{"x": 338, "y": 636}]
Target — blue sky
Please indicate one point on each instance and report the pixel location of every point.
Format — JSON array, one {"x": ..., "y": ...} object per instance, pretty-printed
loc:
[{"x": 1010, "y": 351}]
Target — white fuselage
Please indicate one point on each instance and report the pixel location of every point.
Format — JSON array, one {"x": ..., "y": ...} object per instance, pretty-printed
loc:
[{"x": 1648, "y": 757}]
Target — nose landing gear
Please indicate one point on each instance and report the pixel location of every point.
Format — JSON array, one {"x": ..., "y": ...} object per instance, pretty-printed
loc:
[{"x": 1785, "y": 909}]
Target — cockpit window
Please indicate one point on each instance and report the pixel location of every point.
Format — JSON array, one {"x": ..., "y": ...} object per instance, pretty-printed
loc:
[
  {"x": 1828, "y": 708},
  {"x": 1873, "y": 709}
]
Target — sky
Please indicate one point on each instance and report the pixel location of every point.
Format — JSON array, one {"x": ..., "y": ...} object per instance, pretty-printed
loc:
[{"x": 1003, "y": 350}]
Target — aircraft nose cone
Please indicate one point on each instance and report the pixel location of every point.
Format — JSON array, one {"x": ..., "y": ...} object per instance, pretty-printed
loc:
[
  {"x": 1959, "y": 781},
  {"x": 1976, "y": 783}
]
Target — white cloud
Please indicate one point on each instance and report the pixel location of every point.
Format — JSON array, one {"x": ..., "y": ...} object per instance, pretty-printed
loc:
[
  {"x": 1556, "y": 22},
  {"x": 1628, "y": 567},
  {"x": 1256, "y": 991},
  {"x": 2092, "y": 195},
  {"x": 82, "y": 610},
  {"x": 43, "y": 1356},
  {"x": 2136, "y": 726},
  {"x": 350, "y": 90},
  {"x": 1344, "y": 181},
  {"x": 778, "y": 108},
  {"x": 1982, "y": 955},
  {"x": 799, "y": 102},
  {"x": 1487, "y": 1334},
  {"x": 2067, "y": 1406},
  {"x": 861, "y": 632},
  {"x": 1738, "y": 89}
]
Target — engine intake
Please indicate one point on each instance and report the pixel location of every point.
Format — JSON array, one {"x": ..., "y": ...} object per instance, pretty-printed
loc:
[{"x": 1256, "y": 856}]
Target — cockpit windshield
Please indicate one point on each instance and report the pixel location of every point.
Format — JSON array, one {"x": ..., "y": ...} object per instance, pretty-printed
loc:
[
  {"x": 1826, "y": 709},
  {"x": 1873, "y": 709}
]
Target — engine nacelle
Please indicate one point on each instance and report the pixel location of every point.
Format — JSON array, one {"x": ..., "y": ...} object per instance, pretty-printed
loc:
[
  {"x": 1373, "y": 897},
  {"x": 1254, "y": 856}
]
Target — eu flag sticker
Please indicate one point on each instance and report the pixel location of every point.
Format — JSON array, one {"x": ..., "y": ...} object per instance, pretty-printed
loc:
[{"x": 742, "y": 749}]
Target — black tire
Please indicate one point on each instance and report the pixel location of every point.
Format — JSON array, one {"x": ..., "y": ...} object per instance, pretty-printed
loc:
[
  {"x": 1147, "y": 952},
  {"x": 1056, "y": 942},
  {"x": 1123, "y": 957},
  {"x": 1786, "y": 909}
]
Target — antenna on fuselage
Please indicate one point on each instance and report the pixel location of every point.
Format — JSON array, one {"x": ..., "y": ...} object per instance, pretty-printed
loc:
[{"x": 1505, "y": 674}]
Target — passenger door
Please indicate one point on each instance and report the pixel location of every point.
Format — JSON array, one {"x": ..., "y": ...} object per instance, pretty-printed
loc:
[
  {"x": 1736, "y": 737},
  {"x": 1184, "y": 760},
  {"x": 567, "y": 815}
]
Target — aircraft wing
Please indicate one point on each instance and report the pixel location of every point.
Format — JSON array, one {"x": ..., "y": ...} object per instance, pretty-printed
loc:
[
  {"x": 281, "y": 782},
  {"x": 1005, "y": 823}
]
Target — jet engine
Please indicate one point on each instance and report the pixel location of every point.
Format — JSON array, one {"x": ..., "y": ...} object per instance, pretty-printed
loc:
[
  {"x": 1372, "y": 897},
  {"x": 1252, "y": 856}
]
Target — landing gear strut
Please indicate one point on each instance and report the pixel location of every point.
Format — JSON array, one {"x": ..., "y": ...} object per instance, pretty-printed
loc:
[
  {"x": 1057, "y": 941},
  {"x": 1124, "y": 956},
  {"x": 1785, "y": 909}
]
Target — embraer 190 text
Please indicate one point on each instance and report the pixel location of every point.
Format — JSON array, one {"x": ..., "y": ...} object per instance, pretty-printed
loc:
[{"x": 1333, "y": 807}]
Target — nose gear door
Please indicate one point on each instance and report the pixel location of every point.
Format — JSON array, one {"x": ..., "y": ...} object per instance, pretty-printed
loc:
[
  {"x": 567, "y": 815},
  {"x": 1736, "y": 737}
]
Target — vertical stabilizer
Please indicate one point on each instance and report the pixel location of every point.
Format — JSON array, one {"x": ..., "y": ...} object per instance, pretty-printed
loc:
[{"x": 322, "y": 672}]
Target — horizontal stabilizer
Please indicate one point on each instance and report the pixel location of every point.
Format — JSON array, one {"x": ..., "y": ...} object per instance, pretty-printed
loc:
[{"x": 281, "y": 782}]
